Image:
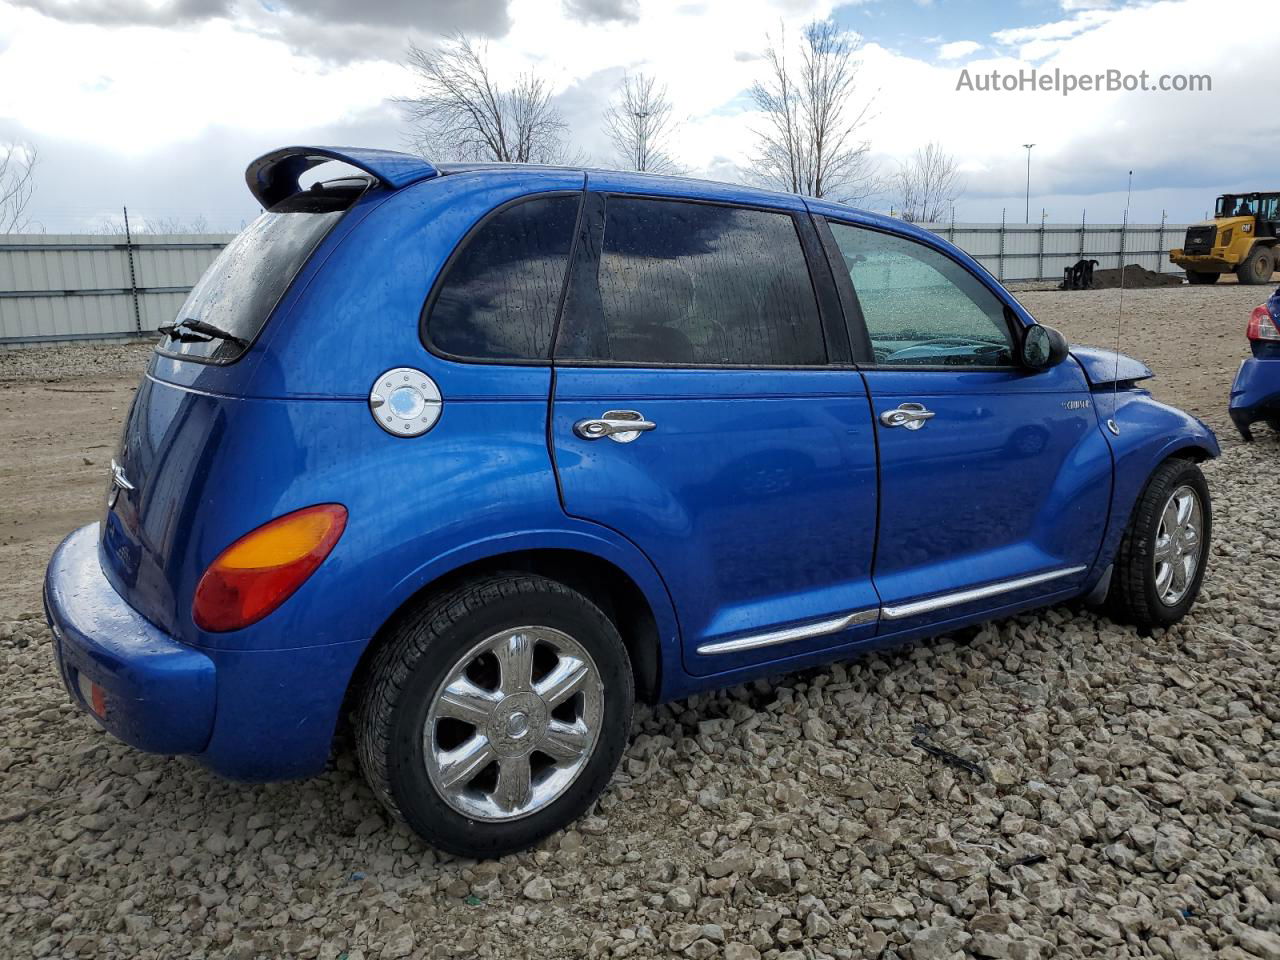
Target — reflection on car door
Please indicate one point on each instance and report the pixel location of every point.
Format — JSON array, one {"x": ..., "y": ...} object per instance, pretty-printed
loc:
[
  {"x": 697, "y": 413},
  {"x": 994, "y": 480}
]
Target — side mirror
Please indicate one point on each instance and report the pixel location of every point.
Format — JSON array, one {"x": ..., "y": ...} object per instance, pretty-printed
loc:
[{"x": 1042, "y": 347}]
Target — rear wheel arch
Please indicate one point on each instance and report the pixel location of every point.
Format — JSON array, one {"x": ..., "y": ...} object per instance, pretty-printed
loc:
[{"x": 603, "y": 582}]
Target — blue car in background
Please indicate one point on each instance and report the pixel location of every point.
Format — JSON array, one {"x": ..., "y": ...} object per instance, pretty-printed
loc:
[
  {"x": 483, "y": 453},
  {"x": 1255, "y": 394}
]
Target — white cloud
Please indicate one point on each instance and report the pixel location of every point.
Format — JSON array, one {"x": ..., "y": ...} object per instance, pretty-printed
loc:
[
  {"x": 141, "y": 93},
  {"x": 957, "y": 49}
]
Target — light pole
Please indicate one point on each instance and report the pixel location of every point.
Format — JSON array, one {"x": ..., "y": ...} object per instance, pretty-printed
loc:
[
  {"x": 1027, "y": 217},
  {"x": 642, "y": 138}
]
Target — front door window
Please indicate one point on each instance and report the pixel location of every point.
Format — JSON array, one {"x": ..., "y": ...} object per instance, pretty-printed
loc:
[{"x": 920, "y": 307}]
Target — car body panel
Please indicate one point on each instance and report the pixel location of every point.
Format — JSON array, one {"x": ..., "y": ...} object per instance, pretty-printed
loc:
[
  {"x": 1104, "y": 367},
  {"x": 1009, "y": 479},
  {"x": 479, "y": 484},
  {"x": 144, "y": 673},
  {"x": 755, "y": 495},
  {"x": 1150, "y": 432}
]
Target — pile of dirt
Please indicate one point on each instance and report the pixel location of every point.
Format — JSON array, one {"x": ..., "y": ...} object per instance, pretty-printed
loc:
[{"x": 1135, "y": 278}]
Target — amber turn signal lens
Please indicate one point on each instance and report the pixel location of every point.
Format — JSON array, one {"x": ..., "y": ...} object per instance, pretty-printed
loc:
[{"x": 262, "y": 569}]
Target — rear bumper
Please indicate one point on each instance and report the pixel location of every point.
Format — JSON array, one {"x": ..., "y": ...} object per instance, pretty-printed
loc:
[
  {"x": 158, "y": 694},
  {"x": 250, "y": 714},
  {"x": 1255, "y": 394}
]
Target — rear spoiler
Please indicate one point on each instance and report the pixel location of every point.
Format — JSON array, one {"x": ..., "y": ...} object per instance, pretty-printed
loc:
[{"x": 274, "y": 176}]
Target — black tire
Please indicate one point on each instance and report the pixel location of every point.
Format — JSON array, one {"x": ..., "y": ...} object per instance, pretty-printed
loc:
[
  {"x": 1196, "y": 278},
  {"x": 423, "y": 649},
  {"x": 1134, "y": 595},
  {"x": 1258, "y": 266}
]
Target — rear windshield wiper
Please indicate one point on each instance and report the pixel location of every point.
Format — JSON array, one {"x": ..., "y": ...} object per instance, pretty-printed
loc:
[{"x": 211, "y": 331}]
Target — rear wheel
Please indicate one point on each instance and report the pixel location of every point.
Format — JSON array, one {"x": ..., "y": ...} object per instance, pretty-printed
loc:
[
  {"x": 496, "y": 715},
  {"x": 1161, "y": 561},
  {"x": 1196, "y": 278},
  {"x": 1258, "y": 266}
]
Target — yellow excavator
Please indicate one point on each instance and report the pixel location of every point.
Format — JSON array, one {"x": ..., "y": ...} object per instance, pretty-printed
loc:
[{"x": 1242, "y": 238}]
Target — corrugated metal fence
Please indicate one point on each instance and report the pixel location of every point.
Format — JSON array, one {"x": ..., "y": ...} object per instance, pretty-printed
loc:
[
  {"x": 1017, "y": 251},
  {"x": 75, "y": 287}
]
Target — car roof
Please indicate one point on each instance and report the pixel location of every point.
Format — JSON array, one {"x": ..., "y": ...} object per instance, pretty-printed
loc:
[
  {"x": 677, "y": 187},
  {"x": 710, "y": 189},
  {"x": 275, "y": 175}
]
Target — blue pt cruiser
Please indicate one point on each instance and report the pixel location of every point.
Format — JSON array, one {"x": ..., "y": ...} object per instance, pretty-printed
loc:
[{"x": 478, "y": 455}]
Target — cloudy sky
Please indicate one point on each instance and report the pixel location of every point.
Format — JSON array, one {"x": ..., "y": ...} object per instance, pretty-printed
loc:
[{"x": 159, "y": 104}]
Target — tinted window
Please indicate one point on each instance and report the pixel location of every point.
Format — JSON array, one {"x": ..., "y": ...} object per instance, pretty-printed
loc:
[
  {"x": 499, "y": 298},
  {"x": 921, "y": 307},
  {"x": 694, "y": 283},
  {"x": 242, "y": 286}
]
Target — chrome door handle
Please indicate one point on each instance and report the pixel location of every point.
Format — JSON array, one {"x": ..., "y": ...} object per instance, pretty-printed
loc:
[
  {"x": 621, "y": 426},
  {"x": 909, "y": 415}
]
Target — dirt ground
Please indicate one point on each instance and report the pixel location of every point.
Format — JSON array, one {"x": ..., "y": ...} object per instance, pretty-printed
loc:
[{"x": 1129, "y": 802}]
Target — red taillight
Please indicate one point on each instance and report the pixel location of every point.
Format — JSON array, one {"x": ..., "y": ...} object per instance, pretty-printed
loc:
[
  {"x": 263, "y": 568},
  {"x": 1261, "y": 325}
]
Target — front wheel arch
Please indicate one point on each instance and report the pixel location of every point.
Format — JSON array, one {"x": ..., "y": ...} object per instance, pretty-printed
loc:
[{"x": 1135, "y": 594}]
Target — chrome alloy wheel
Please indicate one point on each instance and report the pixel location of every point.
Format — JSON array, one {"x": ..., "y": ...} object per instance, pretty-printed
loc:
[
  {"x": 513, "y": 723},
  {"x": 1179, "y": 545}
]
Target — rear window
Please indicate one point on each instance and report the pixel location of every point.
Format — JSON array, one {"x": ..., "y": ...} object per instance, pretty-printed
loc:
[
  {"x": 499, "y": 298},
  {"x": 230, "y": 304}
]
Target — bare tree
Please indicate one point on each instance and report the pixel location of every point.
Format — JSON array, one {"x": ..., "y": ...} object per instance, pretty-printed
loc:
[
  {"x": 462, "y": 112},
  {"x": 925, "y": 184},
  {"x": 810, "y": 141},
  {"x": 197, "y": 224},
  {"x": 640, "y": 125},
  {"x": 17, "y": 184}
]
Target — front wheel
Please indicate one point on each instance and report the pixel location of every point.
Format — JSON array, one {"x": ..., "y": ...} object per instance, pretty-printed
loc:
[
  {"x": 1162, "y": 557},
  {"x": 496, "y": 714},
  {"x": 1257, "y": 267},
  {"x": 1195, "y": 277}
]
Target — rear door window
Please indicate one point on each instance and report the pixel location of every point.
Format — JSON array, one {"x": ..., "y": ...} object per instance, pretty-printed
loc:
[
  {"x": 501, "y": 291},
  {"x": 681, "y": 283},
  {"x": 242, "y": 286}
]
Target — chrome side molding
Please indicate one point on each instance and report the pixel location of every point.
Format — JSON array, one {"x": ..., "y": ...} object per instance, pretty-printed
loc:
[
  {"x": 930, "y": 604},
  {"x": 790, "y": 634},
  {"x": 820, "y": 628}
]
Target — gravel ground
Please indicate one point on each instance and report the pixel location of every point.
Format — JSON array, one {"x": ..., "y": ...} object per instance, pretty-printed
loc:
[{"x": 1118, "y": 796}]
